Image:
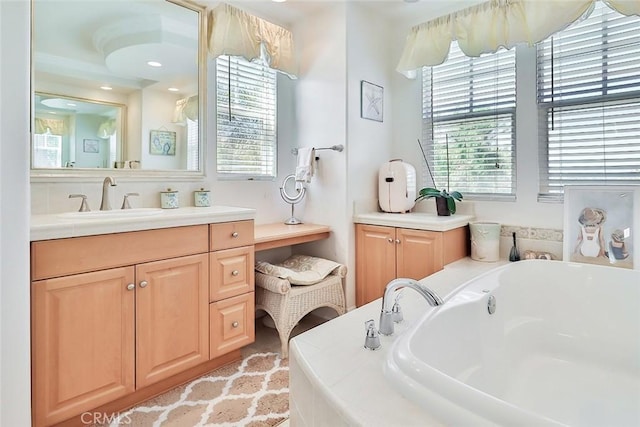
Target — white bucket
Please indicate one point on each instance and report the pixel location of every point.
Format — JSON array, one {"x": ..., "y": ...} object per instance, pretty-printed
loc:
[{"x": 485, "y": 241}]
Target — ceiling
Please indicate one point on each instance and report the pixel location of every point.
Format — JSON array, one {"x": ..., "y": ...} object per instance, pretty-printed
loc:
[{"x": 409, "y": 13}]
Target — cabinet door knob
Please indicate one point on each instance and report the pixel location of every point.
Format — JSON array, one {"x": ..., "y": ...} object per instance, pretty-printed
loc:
[
  {"x": 234, "y": 234},
  {"x": 235, "y": 272},
  {"x": 131, "y": 287},
  {"x": 398, "y": 241},
  {"x": 390, "y": 240},
  {"x": 144, "y": 284},
  {"x": 235, "y": 324}
]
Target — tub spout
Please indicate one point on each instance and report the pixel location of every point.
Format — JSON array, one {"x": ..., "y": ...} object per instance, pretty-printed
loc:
[{"x": 386, "y": 316}]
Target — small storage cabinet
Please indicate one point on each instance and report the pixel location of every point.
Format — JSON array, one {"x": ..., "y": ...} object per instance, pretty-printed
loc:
[{"x": 384, "y": 253}]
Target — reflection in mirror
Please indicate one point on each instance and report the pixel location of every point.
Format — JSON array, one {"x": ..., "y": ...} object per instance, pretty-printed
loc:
[
  {"x": 137, "y": 63},
  {"x": 73, "y": 132}
]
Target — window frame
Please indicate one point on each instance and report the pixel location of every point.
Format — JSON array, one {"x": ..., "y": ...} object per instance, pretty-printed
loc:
[
  {"x": 268, "y": 161},
  {"x": 471, "y": 114}
]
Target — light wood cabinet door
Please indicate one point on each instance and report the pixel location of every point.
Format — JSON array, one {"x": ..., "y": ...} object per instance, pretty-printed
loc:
[
  {"x": 231, "y": 272},
  {"x": 172, "y": 317},
  {"x": 82, "y": 342},
  {"x": 418, "y": 253},
  {"x": 375, "y": 261},
  {"x": 232, "y": 324}
]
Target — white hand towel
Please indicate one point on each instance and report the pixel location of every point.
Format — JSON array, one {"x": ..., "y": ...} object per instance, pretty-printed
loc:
[{"x": 304, "y": 168}]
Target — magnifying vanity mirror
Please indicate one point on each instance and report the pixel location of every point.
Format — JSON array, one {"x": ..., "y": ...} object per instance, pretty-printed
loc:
[{"x": 118, "y": 85}]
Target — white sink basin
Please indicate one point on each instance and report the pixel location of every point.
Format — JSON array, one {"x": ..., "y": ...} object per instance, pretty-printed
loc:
[{"x": 116, "y": 213}]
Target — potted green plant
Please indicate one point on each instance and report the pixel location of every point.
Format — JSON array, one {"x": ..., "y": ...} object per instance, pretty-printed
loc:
[{"x": 445, "y": 199}]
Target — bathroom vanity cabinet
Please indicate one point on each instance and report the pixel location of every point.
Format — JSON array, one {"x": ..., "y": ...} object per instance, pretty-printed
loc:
[
  {"x": 384, "y": 253},
  {"x": 119, "y": 317}
]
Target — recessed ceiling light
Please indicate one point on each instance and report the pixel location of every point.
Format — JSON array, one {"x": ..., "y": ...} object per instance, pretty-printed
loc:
[
  {"x": 173, "y": 89},
  {"x": 52, "y": 112},
  {"x": 70, "y": 104},
  {"x": 105, "y": 87},
  {"x": 279, "y": 1},
  {"x": 154, "y": 64}
]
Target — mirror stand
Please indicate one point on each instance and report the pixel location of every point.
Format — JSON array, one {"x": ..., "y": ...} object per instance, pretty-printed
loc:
[{"x": 292, "y": 199}]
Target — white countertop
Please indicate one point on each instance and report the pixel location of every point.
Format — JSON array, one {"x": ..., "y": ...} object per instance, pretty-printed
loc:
[
  {"x": 56, "y": 226},
  {"x": 414, "y": 220},
  {"x": 349, "y": 377}
]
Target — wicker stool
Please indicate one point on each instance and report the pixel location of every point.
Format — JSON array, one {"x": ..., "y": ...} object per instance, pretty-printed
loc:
[{"x": 287, "y": 304}]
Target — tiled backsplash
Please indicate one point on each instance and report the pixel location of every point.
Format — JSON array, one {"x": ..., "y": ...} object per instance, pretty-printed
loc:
[{"x": 545, "y": 240}]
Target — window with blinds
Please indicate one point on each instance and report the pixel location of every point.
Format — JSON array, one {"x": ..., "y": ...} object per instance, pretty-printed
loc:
[
  {"x": 589, "y": 103},
  {"x": 468, "y": 112},
  {"x": 246, "y": 119}
]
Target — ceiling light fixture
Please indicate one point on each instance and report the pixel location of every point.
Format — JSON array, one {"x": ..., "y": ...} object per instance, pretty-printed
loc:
[
  {"x": 154, "y": 64},
  {"x": 278, "y": 1},
  {"x": 69, "y": 104},
  {"x": 106, "y": 87},
  {"x": 173, "y": 89}
]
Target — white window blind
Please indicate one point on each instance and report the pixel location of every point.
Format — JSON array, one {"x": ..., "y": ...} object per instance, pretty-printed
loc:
[
  {"x": 246, "y": 119},
  {"x": 193, "y": 154},
  {"x": 469, "y": 117},
  {"x": 589, "y": 103}
]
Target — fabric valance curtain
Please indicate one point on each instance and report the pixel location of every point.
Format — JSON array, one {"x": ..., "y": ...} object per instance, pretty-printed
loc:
[
  {"x": 186, "y": 108},
  {"x": 498, "y": 23},
  {"x": 52, "y": 126},
  {"x": 236, "y": 33}
]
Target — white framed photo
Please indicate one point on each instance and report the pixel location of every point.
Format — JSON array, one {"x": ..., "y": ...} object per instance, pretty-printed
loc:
[
  {"x": 371, "y": 101},
  {"x": 601, "y": 225}
]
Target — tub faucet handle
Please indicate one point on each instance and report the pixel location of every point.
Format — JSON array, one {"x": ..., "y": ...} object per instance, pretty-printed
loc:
[
  {"x": 372, "y": 340},
  {"x": 396, "y": 313}
]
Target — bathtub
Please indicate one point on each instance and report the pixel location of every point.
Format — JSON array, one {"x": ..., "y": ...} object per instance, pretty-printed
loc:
[{"x": 561, "y": 348}]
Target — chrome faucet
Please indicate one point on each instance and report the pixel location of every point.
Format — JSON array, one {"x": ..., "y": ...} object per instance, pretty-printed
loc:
[
  {"x": 106, "y": 205},
  {"x": 390, "y": 309}
]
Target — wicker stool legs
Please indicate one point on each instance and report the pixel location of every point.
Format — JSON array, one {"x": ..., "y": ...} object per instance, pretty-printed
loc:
[{"x": 287, "y": 306}]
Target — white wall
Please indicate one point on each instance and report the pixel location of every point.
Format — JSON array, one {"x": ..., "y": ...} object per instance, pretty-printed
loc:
[
  {"x": 321, "y": 122},
  {"x": 370, "y": 141},
  {"x": 15, "y": 390}
]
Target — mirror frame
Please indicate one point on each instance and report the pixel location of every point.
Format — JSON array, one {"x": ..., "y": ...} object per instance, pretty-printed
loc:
[{"x": 95, "y": 174}]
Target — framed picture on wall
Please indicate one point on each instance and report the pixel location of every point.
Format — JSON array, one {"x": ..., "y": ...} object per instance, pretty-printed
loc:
[
  {"x": 162, "y": 142},
  {"x": 600, "y": 225},
  {"x": 371, "y": 101},
  {"x": 91, "y": 145}
]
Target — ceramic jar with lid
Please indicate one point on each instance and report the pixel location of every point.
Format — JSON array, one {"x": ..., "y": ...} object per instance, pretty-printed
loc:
[
  {"x": 169, "y": 199},
  {"x": 201, "y": 198}
]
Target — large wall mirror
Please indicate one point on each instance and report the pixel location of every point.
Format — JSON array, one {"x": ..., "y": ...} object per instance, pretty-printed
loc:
[{"x": 118, "y": 85}]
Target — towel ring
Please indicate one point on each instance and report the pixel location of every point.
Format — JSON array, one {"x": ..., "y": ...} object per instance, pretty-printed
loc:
[{"x": 292, "y": 199}]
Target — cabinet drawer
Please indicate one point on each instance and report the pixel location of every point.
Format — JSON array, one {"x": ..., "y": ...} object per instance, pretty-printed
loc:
[
  {"x": 231, "y": 273},
  {"x": 232, "y": 324},
  {"x": 227, "y": 235},
  {"x": 61, "y": 257}
]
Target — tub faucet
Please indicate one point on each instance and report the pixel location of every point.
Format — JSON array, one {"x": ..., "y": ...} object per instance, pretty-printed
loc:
[
  {"x": 106, "y": 205},
  {"x": 387, "y": 314}
]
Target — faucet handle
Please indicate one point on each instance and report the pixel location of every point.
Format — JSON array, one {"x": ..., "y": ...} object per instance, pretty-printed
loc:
[
  {"x": 396, "y": 312},
  {"x": 372, "y": 340},
  {"x": 84, "y": 206},
  {"x": 125, "y": 201}
]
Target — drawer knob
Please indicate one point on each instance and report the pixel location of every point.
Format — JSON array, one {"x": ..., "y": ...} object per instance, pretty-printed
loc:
[
  {"x": 235, "y": 272},
  {"x": 234, "y": 234},
  {"x": 131, "y": 287},
  {"x": 235, "y": 324},
  {"x": 398, "y": 241},
  {"x": 390, "y": 240},
  {"x": 144, "y": 284}
]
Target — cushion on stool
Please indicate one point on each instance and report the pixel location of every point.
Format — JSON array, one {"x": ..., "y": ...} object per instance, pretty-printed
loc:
[{"x": 299, "y": 269}]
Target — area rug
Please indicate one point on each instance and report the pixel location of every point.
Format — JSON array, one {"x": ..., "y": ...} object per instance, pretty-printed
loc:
[{"x": 253, "y": 392}]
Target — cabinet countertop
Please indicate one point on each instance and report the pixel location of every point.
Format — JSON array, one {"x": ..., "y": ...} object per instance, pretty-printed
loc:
[
  {"x": 414, "y": 220},
  {"x": 57, "y": 226}
]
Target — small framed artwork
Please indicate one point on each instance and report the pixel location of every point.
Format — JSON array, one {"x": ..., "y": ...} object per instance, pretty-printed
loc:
[
  {"x": 600, "y": 224},
  {"x": 371, "y": 101},
  {"x": 162, "y": 142},
  {"x": 91, "y": 145}
]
